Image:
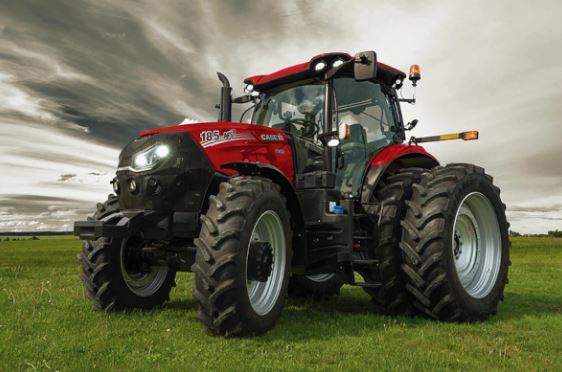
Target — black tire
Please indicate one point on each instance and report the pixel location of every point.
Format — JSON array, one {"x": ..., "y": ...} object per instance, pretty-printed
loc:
[
  {"x": 221, "y": 261},
  {"x": 303, "y": 286},
  {"x": 103, "y": 277},
  {"x": 393, "y": 191},
  {"x": 430, "y": 244}
]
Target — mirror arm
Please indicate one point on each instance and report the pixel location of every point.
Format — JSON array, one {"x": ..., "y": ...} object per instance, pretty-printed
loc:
[
  {"x": 407, "y": 100},
  {"x": 411, "y": 125},
  {"x": 242, "y": 99},
  {"x": 325, "y": 135}
]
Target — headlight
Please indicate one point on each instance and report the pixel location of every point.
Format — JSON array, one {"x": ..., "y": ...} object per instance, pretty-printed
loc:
[{"x": 150, "y": 157}]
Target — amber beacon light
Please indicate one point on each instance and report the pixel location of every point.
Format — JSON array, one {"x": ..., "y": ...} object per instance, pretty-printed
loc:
[{"x": 414, "y": 74}]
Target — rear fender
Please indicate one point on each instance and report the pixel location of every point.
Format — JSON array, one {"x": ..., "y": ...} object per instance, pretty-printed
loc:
[
  {"x": 390, "y": 159},
  {"x": 273, "y": 173}
]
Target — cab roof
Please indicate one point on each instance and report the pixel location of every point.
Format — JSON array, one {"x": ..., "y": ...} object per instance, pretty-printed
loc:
[{"x": 385, "y": 73}]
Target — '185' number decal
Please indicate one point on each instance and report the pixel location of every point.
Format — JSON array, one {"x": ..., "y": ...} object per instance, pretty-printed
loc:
[{"x": 210, "y": 136}]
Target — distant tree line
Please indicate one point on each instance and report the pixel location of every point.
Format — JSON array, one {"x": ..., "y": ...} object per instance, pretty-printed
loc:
[
  {"x": 36, "y": 233},
  {"x": 552, "y": 234},
  {"x": 7, "y": 238}
]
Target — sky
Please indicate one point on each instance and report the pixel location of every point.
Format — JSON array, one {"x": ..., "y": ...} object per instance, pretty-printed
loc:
[{"x": 79, "y": 79}]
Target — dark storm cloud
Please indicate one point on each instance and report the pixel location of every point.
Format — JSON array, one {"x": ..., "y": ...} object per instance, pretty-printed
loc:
[
  {"x": 551, "y": 208},
  {"x": 66, "y": 177},
  {"x": 24, "y": 202},
  {"x": 115, "y": 68},
  {"x": 61, "y": 158},
  {"x": 36, "y": 206},
  {"x": 94, "y": 66},
  {"x": 36, "y": 212},
  {"x": 539, "y": 217}
]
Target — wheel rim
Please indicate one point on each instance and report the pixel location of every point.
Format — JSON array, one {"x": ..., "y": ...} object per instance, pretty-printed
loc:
[
  {"x": 264, "y": 295},
  {"x": 143, "y": 281},
  {"x": 320, "y": 278},
  {"x": 476, "y": 245}
]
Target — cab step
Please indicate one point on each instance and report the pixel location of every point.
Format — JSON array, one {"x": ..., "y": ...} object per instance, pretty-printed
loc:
[{"x": 367, "y": 266}]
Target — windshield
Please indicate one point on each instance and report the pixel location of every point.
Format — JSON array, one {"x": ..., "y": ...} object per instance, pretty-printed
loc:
[{"x": 297, "y": 110}]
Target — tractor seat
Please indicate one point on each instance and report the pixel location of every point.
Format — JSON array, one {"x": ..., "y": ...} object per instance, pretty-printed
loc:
[{"x": 354, "y": 154}]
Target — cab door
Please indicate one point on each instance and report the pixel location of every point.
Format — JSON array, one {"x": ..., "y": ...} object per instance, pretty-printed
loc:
[{"x": 367, "y": 110}]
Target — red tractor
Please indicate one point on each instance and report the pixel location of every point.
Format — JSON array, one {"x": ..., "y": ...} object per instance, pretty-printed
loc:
[{"x": 317, "y": 187}]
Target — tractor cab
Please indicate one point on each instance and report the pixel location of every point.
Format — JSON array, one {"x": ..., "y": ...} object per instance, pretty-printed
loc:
[{"x": 310, "y": 101}]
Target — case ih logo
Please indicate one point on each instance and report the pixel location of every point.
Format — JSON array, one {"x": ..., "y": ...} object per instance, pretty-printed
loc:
[
  {"x": 272, "y": 137},
  {"x": 215, "y": 137}
]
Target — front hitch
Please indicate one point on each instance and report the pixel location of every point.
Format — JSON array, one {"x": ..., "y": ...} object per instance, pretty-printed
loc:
[
  {"x": 149, "y": 224},
  {"x": 91, "y": 230}
]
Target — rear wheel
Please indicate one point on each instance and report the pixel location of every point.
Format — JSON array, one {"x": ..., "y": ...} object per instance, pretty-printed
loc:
[
  {"x": 393, "y": 192},
  {"x": 455, "y": 244},
  {"x": 242, "y": 265},
  {"x": 114, "y": 274}
]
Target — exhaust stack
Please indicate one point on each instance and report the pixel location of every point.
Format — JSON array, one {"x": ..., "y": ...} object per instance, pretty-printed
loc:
[{"x": 225, "y": 113}]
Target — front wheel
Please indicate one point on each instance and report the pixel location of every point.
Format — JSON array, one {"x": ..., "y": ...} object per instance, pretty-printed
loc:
[
  {"x": 243, "y": 259},
  {"x": 115, "y": 275},
  {"x": 115, "y": 278},
  {"x": 455, "y": 244}
]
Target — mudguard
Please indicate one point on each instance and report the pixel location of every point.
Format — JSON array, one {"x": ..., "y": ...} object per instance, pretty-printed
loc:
[{"x": 391, "y": 158}]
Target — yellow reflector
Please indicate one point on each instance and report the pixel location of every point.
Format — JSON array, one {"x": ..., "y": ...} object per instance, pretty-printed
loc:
[{"x": 445, "y": 137}]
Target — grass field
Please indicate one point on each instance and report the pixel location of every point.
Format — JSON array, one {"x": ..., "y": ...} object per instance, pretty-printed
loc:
[{"x": 46, "y": 323}]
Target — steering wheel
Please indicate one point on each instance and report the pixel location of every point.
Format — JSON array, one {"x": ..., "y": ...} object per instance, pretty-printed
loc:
[{"x": 310, "y": 128}]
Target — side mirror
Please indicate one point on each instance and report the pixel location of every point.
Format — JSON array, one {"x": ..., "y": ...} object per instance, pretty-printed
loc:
[{"x": 365, "y": 66}]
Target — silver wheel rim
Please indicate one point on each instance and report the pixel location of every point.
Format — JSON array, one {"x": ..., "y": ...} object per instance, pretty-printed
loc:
[
  {"x": 320, "y": 278},
  {"x": 141, "y": 283},
  {"x": 476, "y": 245},
  {"x": 264, "y": 295}
]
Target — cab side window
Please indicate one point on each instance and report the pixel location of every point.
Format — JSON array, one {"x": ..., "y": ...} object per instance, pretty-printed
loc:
[{"x": 365, "y": 103}]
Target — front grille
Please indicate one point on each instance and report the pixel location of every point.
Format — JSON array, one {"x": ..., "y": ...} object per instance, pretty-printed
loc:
[{"x": 177, "y": 183}]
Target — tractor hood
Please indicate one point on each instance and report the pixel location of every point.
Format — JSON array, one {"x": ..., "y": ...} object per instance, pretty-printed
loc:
[
  {"x": 173, "y": 169},
  {"x": 206, "y": 133},
  {"x": 226, "y": 142}
]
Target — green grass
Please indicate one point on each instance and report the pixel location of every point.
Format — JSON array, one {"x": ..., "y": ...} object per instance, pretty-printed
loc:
[{"x": 47, "y": 323}]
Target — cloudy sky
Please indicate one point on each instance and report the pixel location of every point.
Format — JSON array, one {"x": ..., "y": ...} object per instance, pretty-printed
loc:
[{"x": 79, "y": 79}]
